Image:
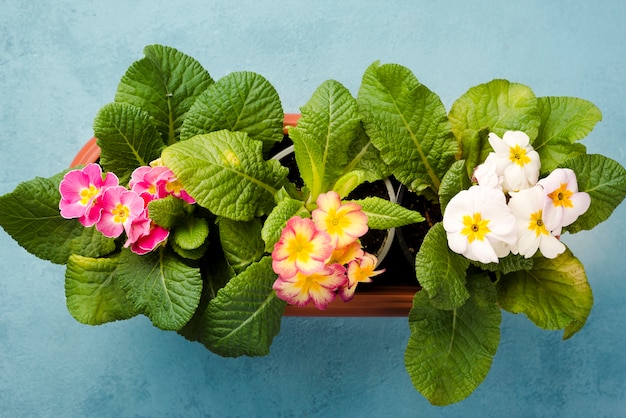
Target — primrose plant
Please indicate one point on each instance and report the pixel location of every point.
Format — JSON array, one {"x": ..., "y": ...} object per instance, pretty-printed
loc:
[
  {"x": 510, "y": 176},
  {"x": 187, "y": 219}
]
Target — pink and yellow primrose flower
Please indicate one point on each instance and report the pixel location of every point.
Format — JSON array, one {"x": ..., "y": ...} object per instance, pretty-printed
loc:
[
  {"x": 301, "y": 249},
  {"x": 119, "y": 208},
  {"x": 148, "y": 180},
  {"x": 360, "y": 270},
  {"x": 563, "y": 202},
  {"x": 344, "y": 222},
  {"x": 149, "y": 240},
  {"x": 80, "y": 189},
  {"x": 533, "y": 234},
  {"x": 343, "y": 255},
  {"x": 479, "y": 224},
  {"x": 320, "y": 287}
]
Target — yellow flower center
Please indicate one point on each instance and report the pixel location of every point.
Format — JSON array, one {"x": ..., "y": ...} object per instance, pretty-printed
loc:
[
  {"x": 518, "y": 156},
  {"x": 300, "y": 248},
  {"x": 475, "y": 227},
  {"x": 536, "y": 224},
  {"x": 173, "y": 187},
  {"x": 87, "y": 194},
  {"x": 120, "y": 213},
  {"x": 562, "y": 197}
]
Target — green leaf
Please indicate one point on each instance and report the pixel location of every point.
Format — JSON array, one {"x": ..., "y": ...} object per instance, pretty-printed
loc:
[
  {"x": 508, "y": 264},
  {"x": 164, "y": 84},
  {"x": 30, "y": 215},
  {"x": 167, "y": 212},
  {"x": 497, "y": 106},
  {"x": 241, "y": 242},
  {"x": 161, "y": 286},
  {"x": 127, "y": 138},
  {"x": 191, "y": 233},
  {"x": 322, "y": 138},
  {"x": 245, "y": 316},
  {"x": 605, "y": 181},
  {"x": 450, "y": 353},
  {"x": 455, "y": 180},
  {"x": 93, "y": 294},
  {"x": 383, "y": 214},
  {"x": 240, "y": 101},
  {"x": 408, "y": 124},
  {"x": 225, "y": 172},
  {"x": 276, "y": 220},
  {"x": 554, "y": 294},
  {"x": 440, "y": 271},
  {"x": 564, "y": 120}
]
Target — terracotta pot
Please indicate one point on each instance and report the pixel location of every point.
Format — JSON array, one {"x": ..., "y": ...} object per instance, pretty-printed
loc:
[{"x": 370, "y": 300}]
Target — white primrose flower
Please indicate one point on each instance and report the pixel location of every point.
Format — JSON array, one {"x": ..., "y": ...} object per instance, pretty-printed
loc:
[
  {"x": 485, "y": 175},
  {"x": 563, "y": 203},
  {"x": 479, "y": 224},
  {"x": 515, "y": 159},
  {"x": 527, "y": 207}
]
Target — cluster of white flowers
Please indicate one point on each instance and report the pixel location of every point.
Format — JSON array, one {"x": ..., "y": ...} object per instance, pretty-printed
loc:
[{"x": 510, "y": 210}]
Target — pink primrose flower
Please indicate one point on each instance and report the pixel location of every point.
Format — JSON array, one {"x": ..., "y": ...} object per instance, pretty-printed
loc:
[
  {"x": 120, "y": 207},
  {"x": 301, "y": 249},
  {"x": 147, "y": 242},
  {"x": 320, "y": 287},
  {"x": 360, "y": 270},
  {"x": 80, "y": 191},
  {"x": 343, "y": 222},
  {"x": 149, "y": 180}
]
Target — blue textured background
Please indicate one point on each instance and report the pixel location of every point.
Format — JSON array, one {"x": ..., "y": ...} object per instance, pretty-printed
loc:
[{"x": 61, "y": 61}]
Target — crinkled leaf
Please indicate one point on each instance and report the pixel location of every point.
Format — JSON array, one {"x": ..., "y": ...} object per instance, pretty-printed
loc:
[
  {"x": 164, "y": 84},
  {"x": 564, "y": 120},
  {"x": 225, "y": 172},
  {"x": 191, "y": 233},
  {"x": 245, "y": 316},
  {"x": 161, "y": 286},
  {"x": 167, "y": 212},
  {"x": 408, "y": 124},
  {"x": 241, "y": 242},
  {"x": 605, "y": 181},
  {"x": 508, "y": 264},
  {"x": 240, "y": 101},
  {"x": 30, "y": 215},
  {"x": 497, "y": 106},
  {"x": 276, "y": 220},
  {"x": 128, "y": 138},
  {"x": 554, "y": 294},
  {"x": 93, "y": 294},
  {"x": 383, "y": 214},
  {"x": 441, "y": 272},
  {"x": 455, "y": 180},
  {"x": 450, "y": 353},
  {"x": 322, "y": 138}
]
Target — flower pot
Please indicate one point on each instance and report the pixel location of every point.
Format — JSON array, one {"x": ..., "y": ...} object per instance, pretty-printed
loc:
[{"x": 375, "y": 299}]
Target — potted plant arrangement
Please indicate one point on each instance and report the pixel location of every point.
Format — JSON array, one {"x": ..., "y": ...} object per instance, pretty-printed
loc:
[{"x": 186, "y": 217}]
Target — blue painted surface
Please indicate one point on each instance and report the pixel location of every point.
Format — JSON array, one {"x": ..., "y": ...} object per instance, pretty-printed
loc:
[{"x": 60, "y": 62}]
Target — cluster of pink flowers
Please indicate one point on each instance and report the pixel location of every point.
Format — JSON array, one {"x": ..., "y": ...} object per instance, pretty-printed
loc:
[
  {"x": 97, "y": 199},
  {"x": 510, "y": 210},
  {"x": 318, "y": 258}
]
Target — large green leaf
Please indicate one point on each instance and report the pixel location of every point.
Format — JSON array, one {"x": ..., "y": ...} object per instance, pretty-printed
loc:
[
  {"x": 93, "y": 294},
  {"x": 554, "y": 294},
  {"x": 449, "y": 353},
  {"x": 383, "y": 214},
  {"x": 329, "y": 124},
  {"x": 564, "y": 120},
  {"x": 161, "y": 286},
  {"x": 408, "y": 124},
  {"x": 441, "y": 272},
  {"x": 164, "y": 84},
  {"x": 30, "y": 214},
  {"x": 497, "y": 106},
  {"x": 128, "y": 138},
  {"x": 241, "y": 101},
  {"x": 241, "y": 242},
  {"x": 605, "y": 181},
  {"x": 245, "y": 316},
  {"x": 225, "y": 172}
]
